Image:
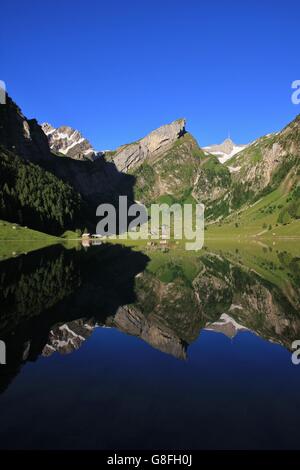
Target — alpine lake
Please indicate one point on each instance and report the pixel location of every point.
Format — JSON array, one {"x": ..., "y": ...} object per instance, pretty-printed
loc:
[{"x": 112, "y": 346}]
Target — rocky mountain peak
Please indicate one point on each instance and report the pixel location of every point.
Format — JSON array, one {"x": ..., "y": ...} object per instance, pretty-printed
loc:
[
  {"x": 158, "y": 141},
  {"x": 228, "y": 145},
  {"x": 225, "y": 150},
  {"x": 69, "y": 142}
]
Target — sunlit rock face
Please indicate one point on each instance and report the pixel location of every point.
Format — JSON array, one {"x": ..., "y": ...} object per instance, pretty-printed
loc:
[
  {"x": 69, "y": 142},
  {"x": 131, "y": 320},
  {"x": 158, "y": 141}
]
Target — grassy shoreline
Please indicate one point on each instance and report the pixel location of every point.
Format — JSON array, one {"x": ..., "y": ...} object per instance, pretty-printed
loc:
[{"x": 16, "y": 240}]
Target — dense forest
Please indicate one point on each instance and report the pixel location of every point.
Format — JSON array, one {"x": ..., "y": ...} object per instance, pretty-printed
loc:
[{"x": 32, "y": 196}]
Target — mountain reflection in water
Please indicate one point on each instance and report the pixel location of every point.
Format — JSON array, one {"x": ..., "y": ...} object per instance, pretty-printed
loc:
[
  {"x": 52, "y": 300},
  {"x": 56, "y": 301}
]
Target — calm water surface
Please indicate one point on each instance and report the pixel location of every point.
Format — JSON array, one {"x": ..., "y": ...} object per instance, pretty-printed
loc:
[{"x": 114, "y": 348}]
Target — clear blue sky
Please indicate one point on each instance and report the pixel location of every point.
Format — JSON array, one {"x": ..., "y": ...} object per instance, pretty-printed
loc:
[{"x": 118, "y": 69}]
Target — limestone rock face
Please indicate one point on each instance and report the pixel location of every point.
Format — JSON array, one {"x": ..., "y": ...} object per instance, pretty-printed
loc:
[
  {"x": 69, "y": 142},
  {"x": 131, "y": 320},
  {"x": 264, "y": 157},
  {"x": 158, "y": 141}
]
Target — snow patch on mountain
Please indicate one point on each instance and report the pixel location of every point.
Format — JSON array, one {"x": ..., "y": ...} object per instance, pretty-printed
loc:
[
  {"x": 69, "y": 142},
  {"x": 225, "y": 150},
  {"x": 226, "y": 324}
]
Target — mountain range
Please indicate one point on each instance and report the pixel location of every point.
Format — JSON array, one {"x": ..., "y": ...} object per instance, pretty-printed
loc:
[{"x": 53, "y": 179}]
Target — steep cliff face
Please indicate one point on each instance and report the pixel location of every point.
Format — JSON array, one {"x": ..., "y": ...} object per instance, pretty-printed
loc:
[
  {"x": 223, "y": 297},
  {"x": 69, "y": 142},
  {"x": 269, "y": 159},
  {"x": 168, "y": 163},
  {"x": 132, "y": 321},
  {"x": 96, "y": 181},
  {"x": 128, "y": 157},
  {"x": 233, "y": 299},
  {"x": 171, "y": 176},
  {"x": 22, "y": 136},
  {"x": 165, "y": 166},
  {"x": 166, "y": 314},
  {"x": 269, "y": 165}
]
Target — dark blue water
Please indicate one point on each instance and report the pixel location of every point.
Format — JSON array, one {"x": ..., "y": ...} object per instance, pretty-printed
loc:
[{"x": 117, "y": 391}]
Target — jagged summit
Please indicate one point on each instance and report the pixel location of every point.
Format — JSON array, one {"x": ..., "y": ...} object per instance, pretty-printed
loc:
[
  {"x": 225, "y": 150},
  {"x": 158, "y": 141},
  {"x": 69, "y": 142}
]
